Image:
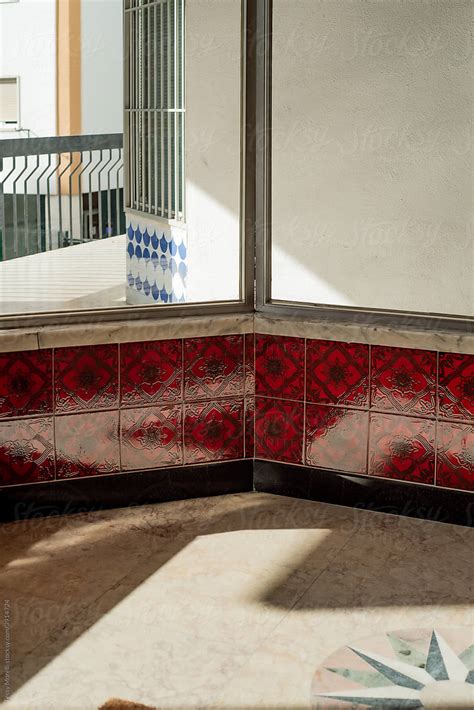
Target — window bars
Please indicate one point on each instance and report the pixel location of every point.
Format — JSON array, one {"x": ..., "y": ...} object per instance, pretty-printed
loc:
[{"x": 155, "y": 106}]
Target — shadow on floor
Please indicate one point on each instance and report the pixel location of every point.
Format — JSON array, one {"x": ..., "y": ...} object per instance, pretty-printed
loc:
[{"x": 55, "y": 572}]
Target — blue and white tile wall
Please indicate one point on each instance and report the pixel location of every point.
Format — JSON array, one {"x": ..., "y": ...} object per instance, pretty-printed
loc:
[{"x": 156, "y": 262}]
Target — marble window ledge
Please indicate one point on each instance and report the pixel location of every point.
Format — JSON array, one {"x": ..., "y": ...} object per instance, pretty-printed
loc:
[{"x": 198, "y": 326}]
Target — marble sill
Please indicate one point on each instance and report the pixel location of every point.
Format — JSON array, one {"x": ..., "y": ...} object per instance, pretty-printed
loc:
[{"x": 14, "y": 340}]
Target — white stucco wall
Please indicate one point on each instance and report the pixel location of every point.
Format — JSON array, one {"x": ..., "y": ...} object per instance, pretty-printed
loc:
[
  {"x": 101, "y": 66},
  {"x": 28, "y": 51},
  {"x": 212, "y": 145},
  {"x": 372, "y": 154}
]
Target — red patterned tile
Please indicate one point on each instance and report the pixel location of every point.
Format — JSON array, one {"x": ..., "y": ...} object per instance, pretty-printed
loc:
[
  {"x": 151, "y": 372},
  {"x": 402, "y": 448},
  {"x": 87, "y": 444},
  {"x": 336, "y": 438},
  {"x": 249, "y": 427},
  {"x": 151, "y": 437},
  {"x": 213, "y": 431},
  {"x": 403, "y": 380},
  {"x": 249, "y": 341},
  {"x": 279, "y": 430},
  {"x": 279, "y": 366},
  {"x": 26, "y": 450},
  {"x": 86, "y": 378},
  {"x": 26, "y": 383},
  {"x": 455, "y": 465},
  {"x": 456, "y": 386},
  {"x": 337, "y": 373},
  {"x": 213, "y": 367}
]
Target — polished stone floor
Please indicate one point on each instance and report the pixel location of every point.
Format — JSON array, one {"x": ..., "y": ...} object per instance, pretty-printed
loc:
[{"x": 230, "y": 602}]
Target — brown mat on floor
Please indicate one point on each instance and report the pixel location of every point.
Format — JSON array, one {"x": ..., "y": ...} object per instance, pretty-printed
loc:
[{"x": 114, "y": 704}]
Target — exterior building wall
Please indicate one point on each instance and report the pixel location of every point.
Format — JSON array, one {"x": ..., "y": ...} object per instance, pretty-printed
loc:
[{"x": 372, "y": 154}]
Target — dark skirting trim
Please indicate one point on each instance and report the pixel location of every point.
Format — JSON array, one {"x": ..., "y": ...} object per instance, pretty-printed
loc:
[
  {"x": 381, "y": 495},
  {"x": 124, "y": 489}
]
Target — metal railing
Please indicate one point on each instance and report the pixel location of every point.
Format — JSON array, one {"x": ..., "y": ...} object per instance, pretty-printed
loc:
[{"x": 59, "y": 191}]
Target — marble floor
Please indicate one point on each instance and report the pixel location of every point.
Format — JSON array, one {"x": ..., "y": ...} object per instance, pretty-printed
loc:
[{"x": 231, "y": 602}]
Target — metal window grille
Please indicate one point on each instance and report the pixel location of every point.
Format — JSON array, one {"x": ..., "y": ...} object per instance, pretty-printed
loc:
[{"x": 155, "y": 106}]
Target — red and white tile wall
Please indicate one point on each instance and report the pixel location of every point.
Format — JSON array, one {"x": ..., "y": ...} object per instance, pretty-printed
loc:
[{"x": 391, "y": 412}]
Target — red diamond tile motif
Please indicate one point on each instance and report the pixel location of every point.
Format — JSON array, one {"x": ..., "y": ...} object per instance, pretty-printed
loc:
[
  {"x": 249, "y": 341},
  {"x": 87, "y": 444},
  {"x": 279, "y": 366},
  {"x": 151, "y": 437},
  {"x": 278, "y": 430},
  {"x": 455, "y": 464},
  {"x": 26, "y": 451},
  {"x": 151, "y": 372},
  {"x": 337, "y": 373},
  {"x": 336, "y": 438},
  {"x": 250, "y": 427},
  {"x": 456, "y": 386},
  {"x": 402, "y": 448},
  {"x": 214, "y": 367},
  {"x": 26, "y": 383},
  {"x": 403, "y": 380},
  {"x": 86, "y": 378},
  {"x": 213, "y": 431}
]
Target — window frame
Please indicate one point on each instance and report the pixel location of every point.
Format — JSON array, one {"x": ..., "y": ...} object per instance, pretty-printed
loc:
[
  {"x": 245, "y": 305},
  {"x": 6, "y": 126},
  {"x": 265, "y": 304}
]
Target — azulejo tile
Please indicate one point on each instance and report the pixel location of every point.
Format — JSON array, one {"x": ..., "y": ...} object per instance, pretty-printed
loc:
[
  {"x": 87, "y": 444},
  {"x": 151, "y": 372},
  {"x": 455, "y": 464},
  {"x": 26, "y": 450},
  {"x": 249, "y": 427},
  {"x": 213, "y": 431},
  {"x": 213, "y": 367},
  {"x": 456, "y": 386},
  {"x": 402, "y": 448},
  {"x": 249, "y": 340},
  {"x": 26, "y": 383},
  {"x": 279, "y": 366},
  {"x": 336, "y": 438},
  {"x": 337, "y": 373},
  {"x": 86, "y": 378},
  {"x": 279, "y": 430},
  {"x": 403, "y": 380},
  {"x": 151, "y": 437}
]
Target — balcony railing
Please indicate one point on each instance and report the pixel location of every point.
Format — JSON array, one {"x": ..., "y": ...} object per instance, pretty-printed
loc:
[{"x": 59, "y": 191}]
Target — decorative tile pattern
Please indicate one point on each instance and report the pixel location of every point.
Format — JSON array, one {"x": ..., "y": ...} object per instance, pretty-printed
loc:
[
  {"x": 406, "y": 668},
  {"x": 249, "y": 340},
  {"x": 403, "y": 380},
  {"x": 151, "y": 437},
  {"x": 279, "y": 430},
  {"x": 151, "y": 372},
  {"x": 279, "y": 366},
  {"x": 456, "y": 386},
  {"x": 26, "y": 451},
  {"x": 213, "y": 431},
  {"x": 213, "y": 367},
  {"x": 26, "y": 383},
  {"x": 402, "y": 448},
  {"x": 87, "y": 444},
  {"x": 336, "y": 438},
  {"x": 156, "y": 263},
  {"x": 337, "y": 373},
  {"x": 86, "y": 378},
  {"x": 455, "y": 465},
  {"x": 249, "y": 427}
]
